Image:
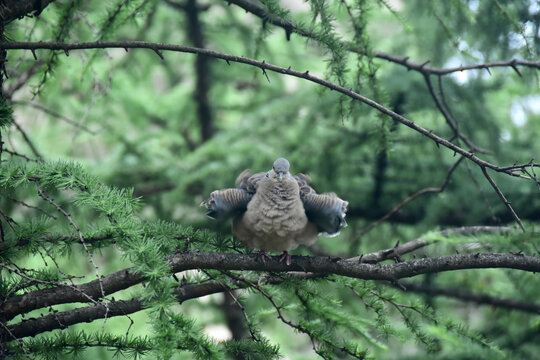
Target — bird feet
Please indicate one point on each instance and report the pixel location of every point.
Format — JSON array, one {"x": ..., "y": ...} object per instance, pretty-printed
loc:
[
  {"x": 286, "y": 256},
  {"x": 263, "y": 255}
]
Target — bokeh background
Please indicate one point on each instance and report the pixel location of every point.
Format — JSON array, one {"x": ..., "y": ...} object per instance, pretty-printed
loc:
[{"x": 174, "y": 129}]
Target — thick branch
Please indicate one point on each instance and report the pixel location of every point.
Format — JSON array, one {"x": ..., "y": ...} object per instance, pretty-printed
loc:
[
  {"x": 228, "y": 261},
  {"x": 319, "y": 265},
  {"x": 326, "y": 265},
  {"x": 62, "y": 320},
  {"x": 21, "y": 304}
]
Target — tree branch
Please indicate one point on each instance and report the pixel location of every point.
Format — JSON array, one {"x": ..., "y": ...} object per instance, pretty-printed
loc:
[
  {"x": 256, "y": 8},
  {"x": 66, "y": 47},
  {"x": 516, "y": 170},
  {"x": 410, "y": 246},
  {"x": 62, "y": 320},
  {"x": 457, "y": 293},
  {"x": 428, "y": 70},
  {"x": 28, "y": 141},
  {"x": 54, "y": 114},
  {"x": 21, "y": 304},
  {"x": 227, "y": 261},
  {"x": 449, "y": 119},
  {"x": 503, "y": 198},
  {"x": 395, "y": 209}
]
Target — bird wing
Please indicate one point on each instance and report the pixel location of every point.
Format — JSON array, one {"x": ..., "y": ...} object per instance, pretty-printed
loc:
[
  {"x": 248, "y": 181},
  {"x": 227, "y": 203},
  {"x": 303, "y": 181},
  {"x": 223, "y": 204},
  {"x": 326, "y": 211}
]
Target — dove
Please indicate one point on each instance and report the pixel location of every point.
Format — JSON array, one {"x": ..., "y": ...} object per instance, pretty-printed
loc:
[{"x": 276, "y": 211}]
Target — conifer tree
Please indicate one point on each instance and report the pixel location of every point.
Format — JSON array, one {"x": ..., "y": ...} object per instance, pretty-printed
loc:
[{"x": 118, "y": 118}]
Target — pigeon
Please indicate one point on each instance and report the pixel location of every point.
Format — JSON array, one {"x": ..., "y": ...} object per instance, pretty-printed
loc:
[{"x": 276, "y": 211}]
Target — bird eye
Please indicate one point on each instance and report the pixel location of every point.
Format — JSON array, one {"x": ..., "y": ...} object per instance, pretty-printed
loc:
[{"x": 266, "y": 176}]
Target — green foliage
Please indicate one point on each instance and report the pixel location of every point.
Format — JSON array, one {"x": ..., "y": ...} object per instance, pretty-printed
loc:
[
  {"x": 125, "y": 171},
  {"x": 72, "y": 345},
  {"x": 6, "y": 113}
]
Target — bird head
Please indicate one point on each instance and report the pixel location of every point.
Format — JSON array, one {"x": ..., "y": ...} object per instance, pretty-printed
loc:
[{"x": 280, "y": 169}]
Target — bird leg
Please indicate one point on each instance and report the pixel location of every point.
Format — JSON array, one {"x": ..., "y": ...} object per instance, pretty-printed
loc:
[
  {"x": 286, "y": 256},
  {"x": 263, "y": 255}
]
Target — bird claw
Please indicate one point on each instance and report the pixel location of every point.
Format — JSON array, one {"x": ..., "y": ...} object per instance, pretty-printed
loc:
[
  {"x": 263, "y": 255},
  {"x": 286, "y": 256}
]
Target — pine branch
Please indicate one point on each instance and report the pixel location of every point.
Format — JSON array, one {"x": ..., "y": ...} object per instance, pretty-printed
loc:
[
  {"x": 28, "y": 141},
  {"x": 254, "y": 7},
  {"x": 395, "y": 209},
  {"x": 397, "y": 251},
  {"x": 227, "y": 261},
  {"x": 223, "y": 261},
  {"x": 464, "y": 295},
  {"x": 62, "y": 320},
  {"x": 157, "y": 47},
  {"x": 443, "y": 109},
  {"x": 126, "y": 278}
]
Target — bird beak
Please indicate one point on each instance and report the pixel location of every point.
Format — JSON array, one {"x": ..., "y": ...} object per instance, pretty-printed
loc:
[{"x": 280, "y": 175}]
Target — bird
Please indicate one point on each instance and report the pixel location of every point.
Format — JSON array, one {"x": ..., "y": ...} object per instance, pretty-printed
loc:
[{"x": 276, "y": 211}]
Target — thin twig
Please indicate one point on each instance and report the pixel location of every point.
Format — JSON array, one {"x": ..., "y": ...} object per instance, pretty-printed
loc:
[
  {"x": 22, "y": 79},
  {"x": 463, "y": 295},
  {"x": 503, "y": 198},
  {"x": 19, "y": 342},
  {"x": 281, "y": 317},
  {"x": 449, "y": 118},
  {"x": 14, "y": 153},
  {"x": 28, "y": 206},
  {"x": 257, "y": 9},
  {"x": 21, "y": 273},
  {"x": 410, "y": 246},
  {"x": 55, "y": 114},
  {"x": 264, "y": 65},
  {"x": 27, "y": 140},
  {"x": 81, "y": 238},
  {"x": 410, "y": 198},
  {"x": 229, "y": 290}
]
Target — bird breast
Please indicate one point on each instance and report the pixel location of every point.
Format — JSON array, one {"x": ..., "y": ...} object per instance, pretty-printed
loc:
[{"x": 276, "y": 210}]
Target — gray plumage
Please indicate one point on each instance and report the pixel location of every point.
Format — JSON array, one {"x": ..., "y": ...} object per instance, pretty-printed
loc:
[{"x": 275, "y": 211}]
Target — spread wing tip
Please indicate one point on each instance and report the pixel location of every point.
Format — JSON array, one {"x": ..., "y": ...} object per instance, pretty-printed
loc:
[
  {"x": 327, "y": 211},
  {"x": 226, "y": 203}
]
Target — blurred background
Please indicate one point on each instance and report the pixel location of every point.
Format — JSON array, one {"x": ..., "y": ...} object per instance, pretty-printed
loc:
[{"x": 176, "y": 129}]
